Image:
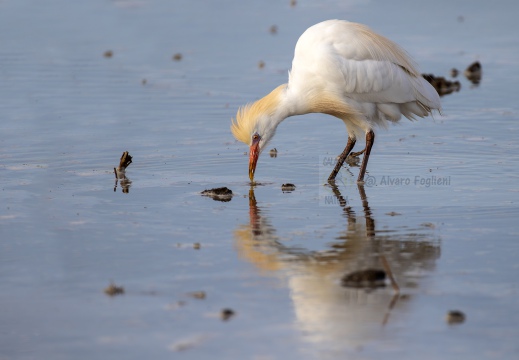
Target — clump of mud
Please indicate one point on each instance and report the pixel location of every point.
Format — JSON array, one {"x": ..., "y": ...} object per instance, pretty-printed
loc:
[
  {"x": 442, "y": 85},
  {"x": 120, "y": 172},
  {"x": 288, "y": 187},
  {"x": 455, "y": 317},
  {"x": 369, "y": 278},
  {"x": 226, "y": 314},
  {"x": 113, "y": 290},
  {"x": 473, "y": 73},
  {"x": 219, "y": 194}
]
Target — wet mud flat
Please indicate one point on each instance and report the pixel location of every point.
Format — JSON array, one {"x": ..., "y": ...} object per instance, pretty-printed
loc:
[{"x": 158, "y": 269}]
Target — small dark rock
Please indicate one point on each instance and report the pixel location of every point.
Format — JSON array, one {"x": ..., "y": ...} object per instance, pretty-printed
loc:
[
  {"x": 454, "y": 72},
  {"x": 455, "y": 317},
  {"x": 226, "y": 314},
  {"x": 261, "y": 64},
  {"x": 108, "y": 54},
  {"x": 219, "y": 194},
  {"x": 288, "y": 187},
  {"x": 196, "y": 246},
  {"x": 273, "y": 153},
  {"x": 177, "y": 57},
  {"x": 370, "y": 278},
  {"x": 273, "y": 29}
]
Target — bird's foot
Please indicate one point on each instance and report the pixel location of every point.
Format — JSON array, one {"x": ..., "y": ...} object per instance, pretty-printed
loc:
[{"x": 355, "y": 154}]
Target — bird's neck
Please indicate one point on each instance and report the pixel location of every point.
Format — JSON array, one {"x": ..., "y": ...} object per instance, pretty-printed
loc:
[{"x": 283, "y": 102}]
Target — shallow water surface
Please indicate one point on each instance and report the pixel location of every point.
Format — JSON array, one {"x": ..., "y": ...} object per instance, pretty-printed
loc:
[{"x": 440, "y": 206}]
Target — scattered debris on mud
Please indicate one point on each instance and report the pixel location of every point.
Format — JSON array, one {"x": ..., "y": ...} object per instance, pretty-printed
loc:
[
  {"x": 219, "y": 194},
  {"x": 369, "y": 278},
  {"x": 288, "y": 187},
  {"x": 113, "y": 290},
  {"x": 120, "y": 173},
  {"x": 444, "y": 86}
]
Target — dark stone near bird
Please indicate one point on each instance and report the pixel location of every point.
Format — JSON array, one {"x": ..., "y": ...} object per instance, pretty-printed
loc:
[
  {"x": 273, "y": 153},
  {"x": 369, "y": 278},
  {"x": 219, "y": 194},
  {"x": 455, "y": 317},
  {"x": 288, "y": 187},
  {"x": 473, "y": 73},
  {"x": 442, "y": 85}
]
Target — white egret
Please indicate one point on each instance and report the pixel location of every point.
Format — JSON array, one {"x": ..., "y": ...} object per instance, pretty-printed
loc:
[{"x": 346, "y": 70}]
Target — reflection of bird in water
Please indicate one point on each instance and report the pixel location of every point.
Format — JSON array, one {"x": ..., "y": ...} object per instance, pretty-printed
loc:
[
  {"x": 345, "y": 70},
  {"x": 328, "y": 314}
]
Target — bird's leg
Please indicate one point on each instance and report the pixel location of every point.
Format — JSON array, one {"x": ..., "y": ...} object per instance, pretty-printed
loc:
[
  {"x": 342, "y": 158},
  {"x": 370, "y": 139}
]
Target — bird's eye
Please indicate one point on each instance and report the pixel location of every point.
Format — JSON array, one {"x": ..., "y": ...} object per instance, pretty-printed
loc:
[{"x": 255, "y": 137}]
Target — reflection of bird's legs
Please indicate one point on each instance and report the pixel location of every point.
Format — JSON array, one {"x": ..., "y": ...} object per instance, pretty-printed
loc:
[
  {"x": 370, "y": 139},
  {"x": 338, "y": 195},
  {"x": 342, "y": 158},
  {"x": 370, "y": 222}
]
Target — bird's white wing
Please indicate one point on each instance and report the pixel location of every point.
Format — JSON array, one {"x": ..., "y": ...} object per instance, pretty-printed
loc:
[
  {"x": 352, "y": 61},
  {"x": 381, "y": 81}
]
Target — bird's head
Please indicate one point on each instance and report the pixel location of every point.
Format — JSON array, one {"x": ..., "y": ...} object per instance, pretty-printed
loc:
[
  {"x": 255, "y": 125},
  {"x": 253, "y": 131}
]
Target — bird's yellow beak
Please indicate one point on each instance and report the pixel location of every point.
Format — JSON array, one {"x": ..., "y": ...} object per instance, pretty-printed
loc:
[{"x": 253, "y": 159}]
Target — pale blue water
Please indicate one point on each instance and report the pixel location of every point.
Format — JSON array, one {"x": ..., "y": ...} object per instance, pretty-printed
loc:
[{"x": 67, "y": 113}]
